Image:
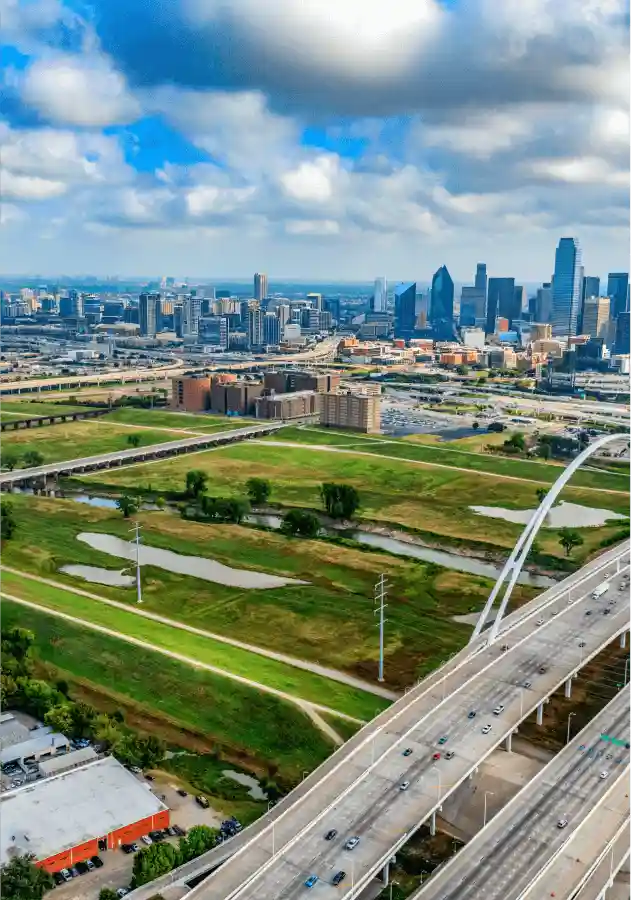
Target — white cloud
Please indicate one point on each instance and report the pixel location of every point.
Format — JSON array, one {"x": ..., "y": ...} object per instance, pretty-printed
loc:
[
  {"x": 78, "y": 91},
  {"x": 312, "y": 227},
  {"x": 30, "y": 187},
  {"x": 579, "y": 170},
  {"x": 311, "y": 182},
  {"x": 480, "y": 134}
]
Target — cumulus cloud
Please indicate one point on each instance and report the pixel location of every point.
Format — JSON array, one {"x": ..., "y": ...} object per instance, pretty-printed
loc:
[{"x": 85, "y": 92}]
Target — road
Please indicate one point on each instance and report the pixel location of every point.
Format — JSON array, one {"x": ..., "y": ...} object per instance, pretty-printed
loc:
[
  {"x": 515, "y": 849},
  {"x": 360, "y": 794},
  {"x": 611, "y": 861},
  {"x": 138, "y": 454},
  {"x": 125, "y": 376}
]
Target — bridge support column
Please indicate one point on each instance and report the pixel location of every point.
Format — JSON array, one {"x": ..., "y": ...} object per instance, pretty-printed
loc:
[
  {"x": 540, "y": 714},
  {"x": 509, "y": 743},
  {"x": 432, "y": 824},
  {"x": 385, "y": 874},
  {"x": 568, "y": 689},
  {"x": 623, "y": 639}
]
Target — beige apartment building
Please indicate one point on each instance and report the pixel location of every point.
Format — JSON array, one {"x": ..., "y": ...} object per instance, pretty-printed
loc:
[{"x": 359, "y": 412}]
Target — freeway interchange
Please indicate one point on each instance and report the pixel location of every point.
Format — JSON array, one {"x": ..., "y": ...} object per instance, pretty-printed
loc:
[{"x": 359, "y": 794}]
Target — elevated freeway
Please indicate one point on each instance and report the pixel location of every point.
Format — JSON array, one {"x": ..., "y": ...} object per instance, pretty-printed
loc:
[
  {"x": 547, "y": 840},
  {"x": 51, "y": 471},
  {"x": 358, "y": 792}
]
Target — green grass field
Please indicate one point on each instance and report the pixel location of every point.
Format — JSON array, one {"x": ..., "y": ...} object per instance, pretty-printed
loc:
[
  {"x": 238, "y": 719},
  {"x": 329, "y": 620},
  {"x": 269, "y": 672},
  {"x": 23, "y": 409},
  {"x": 432, "y": 499},
  {"x": 161, "y": 418},
  {"x": 84, "y": 438}
]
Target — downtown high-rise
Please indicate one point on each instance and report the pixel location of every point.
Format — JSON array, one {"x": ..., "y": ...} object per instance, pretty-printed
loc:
[{"x": 567, "y": 288}]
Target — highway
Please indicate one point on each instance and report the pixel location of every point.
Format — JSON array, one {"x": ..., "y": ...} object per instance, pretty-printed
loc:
[
  {"x": 610, "y": 861},
  {"x": 114, "y": 376},
  {"x": 522, "y": 850},
  {"x": 138, "y": 454},
  {"x": 359, "y": 792}
]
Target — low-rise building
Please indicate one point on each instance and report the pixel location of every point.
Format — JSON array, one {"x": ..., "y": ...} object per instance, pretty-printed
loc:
[
  {"x": 293, "y": 405},
  {"x": 41, "y": 744},
  {"x": 236, "y": 399}
]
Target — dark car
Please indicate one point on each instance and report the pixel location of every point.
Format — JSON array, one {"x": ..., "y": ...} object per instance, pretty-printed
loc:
[
  {"x": 542, "y": 670},
  {"x": 179, "y": 830},
  {"x": 183, "y": 793},
  {"x": 330, "y": 835},
  {"x": 171, "y": 831},
  {"x": 156, "y": 835},
  {"x": 407, "y": 751},
  {"x": 471, "y": 715},
  {"x": 81, "y": 868},
  {"x": 58, "y": 878},
  {"x": 73, "y": 871},
  {"x": 98, "y": 862},
  {"x": 338, "y": 878},
  {"x": 127, "y": 848},
  {"x": 149, "y": 777}
]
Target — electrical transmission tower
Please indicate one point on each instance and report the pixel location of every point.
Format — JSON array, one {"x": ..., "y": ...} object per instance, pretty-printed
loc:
[{"x": 381, "y": 592}]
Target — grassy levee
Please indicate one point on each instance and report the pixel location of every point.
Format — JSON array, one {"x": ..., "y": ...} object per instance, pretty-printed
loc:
[
  {"x": 162, "y": 418},
  {"x": 328, "y": 620},
  {"x": 280, "y": 676},
  {"x": 237, "y": 718},
  {"x": 88, "y": 437},
  {"x": 24, "y": 409},
  {"x": 398, "y": 492}
]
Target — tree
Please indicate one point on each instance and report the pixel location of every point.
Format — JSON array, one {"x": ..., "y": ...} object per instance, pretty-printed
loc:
[
  {"x": 568, "y": 538},
  {"x": 127, "y": 504},
  {"x": 516, "y": 443},
  {"x": 60, "y": 718},
  {"x": 542, "y": 493},
  {"x": 259, "y": 490},
  {"x": 10, "y": 459},
  {"x": 108, "y": 894},
  {"x": 544, "y": 451},
  {"x": 33, "y": 458},
  {"x": 300, "y": 523},
  {"x": 133, "y": 440},
  {"x": 154, "y": 861},
  {"x": 462, "y": 370},
  {"x": 341, "y": 501},
  {"x": 8, "y": 522},
  {"x": 196, "y": 483},
  {"x": 22, "y": 880},
  {"x": 475, "y": 425},
  {"x": 199, "y": 839}
]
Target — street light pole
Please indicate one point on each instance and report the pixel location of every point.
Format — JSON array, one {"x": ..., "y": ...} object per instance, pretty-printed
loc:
[
  {"x": 626, "y": 670},
  {"x": 569, "y": 723},
  {"x": 492, "y": 793}
]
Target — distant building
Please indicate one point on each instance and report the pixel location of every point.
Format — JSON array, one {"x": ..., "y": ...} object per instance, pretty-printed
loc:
[
  {"x": 623, "y": 334},
  {"x": 295, "y": 405},
  {"x": 500, "y": 301},
  {"x": 540, "y": 331},
  {"x": 405, "y": 310},
  {"x": 567, "y": 286},
  {"x": 441, "y": 312},
  {"x": 271, "y": 329},
  {"x": 214, "y": 331},
  {"x": 149, "y": 314},
  {"x": 286, "y": 382},
  {"x": 595, "y": 319},
  {"x": 315, "y": 300},
  {"x": 472, "y": 307},
  {"x": 591, "y": 286},
  {"x": 480, "y": 278},
  {"x": 380, "y": 295},
  {"x": 238, "y": 398},
  {"x": 543, "y": 303},
  {"x": 191, "y": 311},
  {"x": 356, "y": 411},
  {"x": 260, "y": 286},
  {"x": 618, "y": 292},
  {"x": 473, "y": 337},
  {"x": 191, "y": 393}
]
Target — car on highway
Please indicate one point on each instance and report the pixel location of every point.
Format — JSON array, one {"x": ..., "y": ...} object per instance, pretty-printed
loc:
[
  {"x": 561, "y": 823},
  {"x": 407, "y": 751},
  {"x": 486, "y": 729},
  {"x": 542, "y": 670},
  {"x": 330, "y": 834},
  {"x": 471, "y": 714},
  {"x": 527, "y": 684},
  {"x": 603, "y": 775},
  {"x": 606, "y": 612},
  {"x": 338, "y": 878},
  {"x": 351, "y": 843},
  {"x": 504, "y": 648},
  {"x": 404, "y": 785},
  {"x": 539, "y": 622},
  {"x": 436, "y": 755},
  {"x": 311, "y": 880},
  {"x": 498, "y": 709},
  {"x": 588, "y": 612},
  {"x": 449, "y": 754},
  {"x": 443, "y": 739}
]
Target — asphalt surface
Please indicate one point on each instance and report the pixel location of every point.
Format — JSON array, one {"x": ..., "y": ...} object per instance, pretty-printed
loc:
[
  {"x": 609, "y": 865},
  {"x": 524, "y": 838},
  {"x": 137, "y": 454},
  {"x": 360, "y": 795}
]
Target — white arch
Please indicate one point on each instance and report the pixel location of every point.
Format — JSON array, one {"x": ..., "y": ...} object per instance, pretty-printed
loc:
[{"x": 516, "y": 560}]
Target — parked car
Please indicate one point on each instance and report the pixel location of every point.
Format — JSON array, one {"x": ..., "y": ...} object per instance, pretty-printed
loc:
[
  {"x": 81, "y": 868},
  {"x": 136, "y": 770},
  {"x": 65, "y": 874},
  {"x": 338, "y": 878},
  {"x": 97, "y": 862},
  {"x": 126, "y": 848},
  {"x": 182, "y": 793},
  {"x": 146, "y": 840},
  {"x": 58, "y": 878},
  {"x": 74, "y": 871},
  {"x": 90, "y": 865},
  {"x": 179, "y": 830},
  {"x": 122, "y": 891},
  {"x": 203, "y": 801}
]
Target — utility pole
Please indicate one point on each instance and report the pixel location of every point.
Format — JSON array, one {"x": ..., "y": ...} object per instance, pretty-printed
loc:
[
  {"x": 136, "y": 529},
  {"x": 381, "y": 591}
]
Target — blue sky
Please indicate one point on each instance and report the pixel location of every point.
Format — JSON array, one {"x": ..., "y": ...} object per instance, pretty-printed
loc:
[{"x": 317, "y": 139}]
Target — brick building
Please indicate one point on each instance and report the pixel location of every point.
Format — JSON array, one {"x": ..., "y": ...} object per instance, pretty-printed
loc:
[
  {"x": 238, "y": 398},
  {"x": 358, "y": 412},
  {"x": 295, "y": 405}
]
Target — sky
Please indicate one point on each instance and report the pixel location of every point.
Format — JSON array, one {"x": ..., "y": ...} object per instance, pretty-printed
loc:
[{"x": 325, "y": 139}]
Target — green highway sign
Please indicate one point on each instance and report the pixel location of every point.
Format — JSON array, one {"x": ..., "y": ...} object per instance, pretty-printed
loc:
[{"x": 613, "y": 740}]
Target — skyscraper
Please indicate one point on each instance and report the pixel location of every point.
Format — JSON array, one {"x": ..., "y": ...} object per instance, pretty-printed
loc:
[
  {"x": 191, "y": 311},
  {"x": 315, "y": 300},
  {"x": 591, "y": 286},
  {"x": 567, "y": 286},
  {"x": 271, "y": 329},
  {"x": 441, "y": 311},
  {"x": 521, "y": 302},
  {"x": 472, "y": 306},
  {"x": 623, "y": 333},
  {"x": 543, "y": 303},
  {"x": 254, "y": 324},
  {"x": 214, "y": 331},
  {"x": 260, "y": 286},
  {"x": 380, "y": 295},
  {"x": 500, "y": 301},
  {"x": 405, "y": 310},
  {"x": 149, "y": 314},
  {"x": 595, "y": 316},
  {"x": 480, "y": 277},
  {"x": 618, "y": 291}
]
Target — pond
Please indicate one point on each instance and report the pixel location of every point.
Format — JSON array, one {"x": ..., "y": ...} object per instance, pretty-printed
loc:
[
  {"x": 97, "y": 575},
  {"x": 565, "y": 514},
  {"x": 196, "y": 566},
  {"x": 255, "y": 789}
]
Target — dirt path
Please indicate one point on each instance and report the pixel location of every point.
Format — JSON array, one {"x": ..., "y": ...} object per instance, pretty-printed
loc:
[
  {"x": 323, "y": 725},
  {"x": 314, "y": 668},
  {"x": 224, "y": 673},
  {"x": 419, "y": 462}
]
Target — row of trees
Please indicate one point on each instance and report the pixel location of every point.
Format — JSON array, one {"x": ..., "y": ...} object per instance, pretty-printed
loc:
[
  {"x": 29, "y": 459},
  {"x": 8, "y": 522}
]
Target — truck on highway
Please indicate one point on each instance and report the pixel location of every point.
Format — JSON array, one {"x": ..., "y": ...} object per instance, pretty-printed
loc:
[{"x": 600, "y": 590}]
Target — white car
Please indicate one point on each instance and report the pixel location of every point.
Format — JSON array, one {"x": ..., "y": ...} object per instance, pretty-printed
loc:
[
  {"x": 539, "y": 622},
  {"x": 498, "y": 709},
  {"x": 121, "y": 892},
  {"x": 351, "y": 843},
  {"x": 146, "y": 840},
  {"x": 404, "y": 785},
  {"x": 604, "y": 775},
  {"x": 561, "y": 823},
  {"x": 486, "y": 729}
]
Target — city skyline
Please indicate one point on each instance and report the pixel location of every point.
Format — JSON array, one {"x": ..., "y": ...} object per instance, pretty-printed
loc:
[{"x": 324, "y": 155}]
